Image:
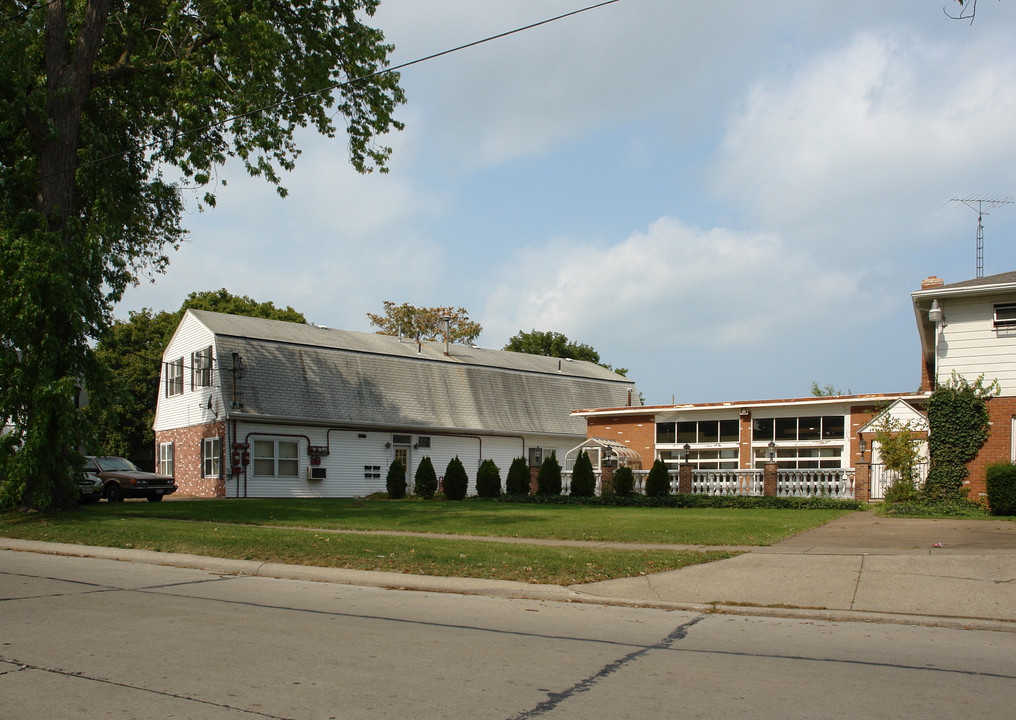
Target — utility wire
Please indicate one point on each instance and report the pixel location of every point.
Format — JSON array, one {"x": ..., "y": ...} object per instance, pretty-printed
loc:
[{"x": 335, "y": 86}]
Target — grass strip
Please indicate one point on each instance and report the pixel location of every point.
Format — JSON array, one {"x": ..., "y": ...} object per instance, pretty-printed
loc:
[
  {"x": 418, "y": 556},
  {"x": 683, "y": 526}
]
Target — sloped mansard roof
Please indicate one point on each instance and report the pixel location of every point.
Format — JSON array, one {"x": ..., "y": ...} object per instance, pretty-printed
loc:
[{"x": 307, "y": 373}]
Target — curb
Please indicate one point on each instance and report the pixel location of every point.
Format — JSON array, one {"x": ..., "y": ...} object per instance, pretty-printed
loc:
[{"x": 507, "y": 589}]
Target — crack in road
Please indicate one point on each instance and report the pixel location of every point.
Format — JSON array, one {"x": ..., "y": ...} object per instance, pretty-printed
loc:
[
  {"x": 555, "y": 699},
  {"x": 81, "y": 676}
]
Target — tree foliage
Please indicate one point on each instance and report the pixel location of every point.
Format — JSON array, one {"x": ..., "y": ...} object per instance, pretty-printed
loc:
[
  {"x": 958, "y": 427},
  {"x": 421, "y": 323},
  {"x": 899, "y": 447},
  {"x": 827, "y": 390},
  {"x": 488, "y": 480},
  {"x": 395, "y": 480},
  {"x": 426, "y": 479},
  {"x": 111, "y": 109},
  {"x": 623, "y": 482},
  {"x": 132, "y": 350},
  {"x": 548, "y": 480},
  {"x": 555, "y": 344},
  {"x": 583, "y": 481},
  {"x": 456, "y": 481},
  {"x": 518, "y": 481},
  {"x": 658, "y": 480}
]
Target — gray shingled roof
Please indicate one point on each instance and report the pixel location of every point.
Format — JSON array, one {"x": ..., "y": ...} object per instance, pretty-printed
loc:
[
  {"x": 338, "y": 377},
  {"x": 999, "y": 279}
]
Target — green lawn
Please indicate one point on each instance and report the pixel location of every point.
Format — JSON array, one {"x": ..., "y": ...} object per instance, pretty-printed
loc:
[
  {"x": 296, "y": 531},
  {"x": 686, "y": 526}
]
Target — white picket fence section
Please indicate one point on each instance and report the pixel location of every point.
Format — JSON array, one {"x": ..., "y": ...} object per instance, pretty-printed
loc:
[{"x": 836, "y": 483}]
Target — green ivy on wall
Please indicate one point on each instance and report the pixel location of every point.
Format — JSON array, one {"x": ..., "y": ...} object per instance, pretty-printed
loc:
[{"x": 958, "y": 420}]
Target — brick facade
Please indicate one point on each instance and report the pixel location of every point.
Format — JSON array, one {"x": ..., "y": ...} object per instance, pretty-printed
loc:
[
  {"x": 187, "y": 465},
  {"x": 998, "y": 448},
  {"x": 638, "y": 432}
]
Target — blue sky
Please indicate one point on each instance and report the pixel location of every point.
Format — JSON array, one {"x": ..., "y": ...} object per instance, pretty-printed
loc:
[{"x": 731, "y": 199}]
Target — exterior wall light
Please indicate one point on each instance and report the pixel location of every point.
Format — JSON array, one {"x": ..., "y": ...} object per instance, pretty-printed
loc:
[
  {"x": 936, "y": 315},
  {"x": 772, "y": 450},
  {"x": 687, "y": 452},
  {"x": 861, "y": 444}
]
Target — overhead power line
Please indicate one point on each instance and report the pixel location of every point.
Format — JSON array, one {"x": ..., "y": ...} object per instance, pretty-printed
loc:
[{"x": 334, "y": 86}]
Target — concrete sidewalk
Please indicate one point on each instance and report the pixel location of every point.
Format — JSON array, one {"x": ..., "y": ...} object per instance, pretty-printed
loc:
[
  {"x": 859, "y": 566},
  {"x": 953, "y": 573}
]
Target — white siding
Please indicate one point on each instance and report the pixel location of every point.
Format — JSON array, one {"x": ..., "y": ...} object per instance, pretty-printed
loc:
[
  {"x": 349, "y": 453},
  {"x": 190, "y": 407},
  {"x": 970, "y": 346}
]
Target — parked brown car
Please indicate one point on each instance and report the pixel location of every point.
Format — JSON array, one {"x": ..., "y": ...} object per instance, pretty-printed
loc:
[{"x": 122, "y": 479}]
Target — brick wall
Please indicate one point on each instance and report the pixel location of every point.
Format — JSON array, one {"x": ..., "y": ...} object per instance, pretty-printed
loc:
[
  {"x": 187, "y": 459},
  {"x": 998, "y": 448},
  {"x": 638, "y": 432}
]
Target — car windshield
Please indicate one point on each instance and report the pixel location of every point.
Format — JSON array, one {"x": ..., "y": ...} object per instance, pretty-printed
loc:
[{"x": 115, "y": 464}]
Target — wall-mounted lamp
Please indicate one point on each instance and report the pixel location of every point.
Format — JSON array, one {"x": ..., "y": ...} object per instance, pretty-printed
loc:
[
  {"x": 936, "y": 315},
  {"x": 772, "y": 450},
  {"x": 687, "y": 452},
  {"x": 388, "y": 445},
  {"x": 861, "y": 444}
]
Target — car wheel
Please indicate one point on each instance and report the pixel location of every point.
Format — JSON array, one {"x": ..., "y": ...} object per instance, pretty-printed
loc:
[
  {"x": 113, "y": 493},
  {"x": 155, "y": 498}
]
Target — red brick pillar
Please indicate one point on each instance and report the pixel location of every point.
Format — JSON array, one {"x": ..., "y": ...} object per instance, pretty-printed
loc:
[
  {"x": 769, "y": 479},
  {"x": 606, "y": 478},
  {"x": 533, "y": 473},
  {"x": 862, "y": 481},
  {"x": 684, "y": 478}
]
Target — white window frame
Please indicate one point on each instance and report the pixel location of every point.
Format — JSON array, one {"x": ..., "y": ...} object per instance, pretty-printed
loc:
[
  {"x": 174, "y": 377},
  {"x": 201, "y": 368},
  {"x": 211, "y": 454},
  {"x": 166, "y": 453},
  {"x": 1008, "y": 319},
  {"x": 282, "y": 466}
]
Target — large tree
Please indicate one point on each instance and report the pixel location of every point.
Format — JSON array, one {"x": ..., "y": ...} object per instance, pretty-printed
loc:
[
  {"x": 132, "y": 350},
  {"x": 112, "y": 108},
  {"x": 423, "y": 323},
  {"x": 555, "y": 344}
]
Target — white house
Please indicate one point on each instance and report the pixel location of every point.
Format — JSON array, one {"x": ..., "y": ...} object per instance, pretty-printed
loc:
[{"x": 250, "y": 407}]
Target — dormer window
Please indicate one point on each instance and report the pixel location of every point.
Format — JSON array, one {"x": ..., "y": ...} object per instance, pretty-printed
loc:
[
  {"x": 201, "y": 368},
  {"x": 174, "y": 377}
]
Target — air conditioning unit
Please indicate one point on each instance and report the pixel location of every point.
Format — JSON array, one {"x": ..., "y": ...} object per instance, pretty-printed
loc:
[{"x": 316, "y": 473}]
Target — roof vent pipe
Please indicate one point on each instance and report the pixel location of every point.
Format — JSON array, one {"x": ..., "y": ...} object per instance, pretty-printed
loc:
[{"x": 447, "y": 321}]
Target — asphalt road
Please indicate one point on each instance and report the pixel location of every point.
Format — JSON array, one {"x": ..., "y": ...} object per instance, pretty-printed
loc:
[{"x": 98, "y": 638}]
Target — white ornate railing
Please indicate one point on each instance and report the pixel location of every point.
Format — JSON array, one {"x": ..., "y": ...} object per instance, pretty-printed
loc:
[
  {"x": 726, "y": 482},
  {"x": 838, "y": 483},
  {"x": 882, "y": 477}
]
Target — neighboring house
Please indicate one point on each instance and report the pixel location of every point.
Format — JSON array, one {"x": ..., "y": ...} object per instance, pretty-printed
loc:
[
  {"x": 261, "y": 408},
  {"x": 807, "y": 434},
  {"x": 972, "y": 332}
]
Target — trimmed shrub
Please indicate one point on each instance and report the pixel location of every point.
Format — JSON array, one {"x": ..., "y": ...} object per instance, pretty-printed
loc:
[
  {"x": 658, "y": 481},
  {"x": 583, "y": 479},
  {"x": 488, "y": 480},
  {"x": 456, "y": 482},
  {"x": 396, "y": 480},
  {"x": 624, "y": 482},
  {"x": 517, "y": 482},
  {"x": 426, "y": 479},
  {"x": 1001, "y": 481},
  {"x": 548, "y": 482}
]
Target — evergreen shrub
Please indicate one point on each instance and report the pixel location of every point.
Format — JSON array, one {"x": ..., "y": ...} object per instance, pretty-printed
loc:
[
  {"x": 548, "y": 481},
  {"x": 624, "y": 482},
  {"x": 1001, "y": 481},
  {"x": 517, "y": 482},
  {"x": 396, "y": 480},
  {"x": 658, "y": 481},
  {"x": 488, "y": 480},
  {"x": 583, "y": 480},
  {"x": 456, "y": 482},
  {"x": 426, "y": 479}
]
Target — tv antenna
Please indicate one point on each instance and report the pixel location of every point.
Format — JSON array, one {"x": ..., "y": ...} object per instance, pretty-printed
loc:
[{"x": 981, "y": 205}]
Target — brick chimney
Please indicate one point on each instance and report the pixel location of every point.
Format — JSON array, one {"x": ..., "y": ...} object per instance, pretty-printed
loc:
[{"x": 931, "y": 282}]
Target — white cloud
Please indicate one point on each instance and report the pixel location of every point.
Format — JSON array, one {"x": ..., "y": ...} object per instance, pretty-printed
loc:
[
  {"x": 673, "y": 286},
  {"x": 887, "y": 126}
]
